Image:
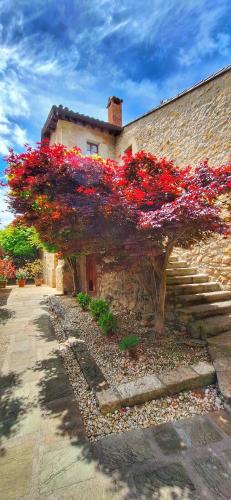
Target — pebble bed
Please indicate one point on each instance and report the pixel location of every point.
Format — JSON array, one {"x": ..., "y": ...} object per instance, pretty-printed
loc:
[
  {"x": 153, "y": 357},
  {"x": 185, "y": 404}
]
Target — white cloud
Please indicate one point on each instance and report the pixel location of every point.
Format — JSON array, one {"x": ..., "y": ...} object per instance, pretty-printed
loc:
[
  {"x": 208, "y": 40},
  {"x": 20, "y": 136},
  {"x": 6, "y": 216}
]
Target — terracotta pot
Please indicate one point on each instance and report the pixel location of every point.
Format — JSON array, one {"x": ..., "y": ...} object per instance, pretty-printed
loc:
[
  {"x": 21, "y": 283},
  {"x": 38, "y": 281},
  {"x": 2, "y": 284}
]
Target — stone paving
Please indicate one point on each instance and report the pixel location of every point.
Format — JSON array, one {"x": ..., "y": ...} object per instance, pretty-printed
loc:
[{"x": 44, "y": 450}]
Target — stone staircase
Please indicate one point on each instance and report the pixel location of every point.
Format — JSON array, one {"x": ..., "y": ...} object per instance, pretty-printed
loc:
[
  {"x": 200, "y": 304},
  {"x": 205, "y": 309}
]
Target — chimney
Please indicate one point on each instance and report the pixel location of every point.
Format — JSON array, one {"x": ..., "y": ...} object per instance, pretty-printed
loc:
[{"x": 115, "y": 111}]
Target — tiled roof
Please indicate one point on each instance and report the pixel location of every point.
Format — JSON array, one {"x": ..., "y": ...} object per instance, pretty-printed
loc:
[{"x": 61, "y": 113}]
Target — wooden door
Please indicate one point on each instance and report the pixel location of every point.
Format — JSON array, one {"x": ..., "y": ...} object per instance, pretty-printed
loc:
[{"x": 91, "y": 274}]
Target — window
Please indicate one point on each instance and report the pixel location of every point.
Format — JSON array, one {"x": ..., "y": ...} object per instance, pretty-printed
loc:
[{"x": 92, "y": 149}]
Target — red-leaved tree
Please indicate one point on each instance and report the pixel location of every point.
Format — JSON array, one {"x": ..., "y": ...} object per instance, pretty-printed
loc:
[{"x": 141, "y": 208}]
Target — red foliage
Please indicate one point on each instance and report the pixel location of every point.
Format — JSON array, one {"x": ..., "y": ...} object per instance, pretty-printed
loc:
[
  {"x": 80, "y": 203},
  {"x": 7, "y": 269}
]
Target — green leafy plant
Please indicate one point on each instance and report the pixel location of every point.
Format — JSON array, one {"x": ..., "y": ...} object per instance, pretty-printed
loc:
[
  {"x": 21, "y": 243},
  {"x": 21, "y": 274},
  {"x": 84, "y": 300},
  {"x": 128, "y": 343},
  {"x": 98, "y": 307},
  {"x": 107, "y": 323}
]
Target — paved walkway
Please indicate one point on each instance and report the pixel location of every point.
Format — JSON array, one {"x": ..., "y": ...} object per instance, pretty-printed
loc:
[{"x": 45, "y": 453}]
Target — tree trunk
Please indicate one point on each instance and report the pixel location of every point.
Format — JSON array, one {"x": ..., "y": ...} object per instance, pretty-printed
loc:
[
  {"x": 160, "y": 303},
  {"x": 72, "y": 262},
  {"x": 153, "y": 278}
]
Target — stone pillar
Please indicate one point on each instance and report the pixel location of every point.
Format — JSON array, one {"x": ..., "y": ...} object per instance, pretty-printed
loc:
[{"x": 59, "y": 274}]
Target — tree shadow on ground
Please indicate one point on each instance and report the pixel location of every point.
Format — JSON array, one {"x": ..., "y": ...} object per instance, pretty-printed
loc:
[
  {"x": 4, "y": 294},
  {"x": 45, "y": 328},
  {"x": 128, "y": 462},
  {"x": 5, "y": 315},
  {"x": 11, "y": 408}
]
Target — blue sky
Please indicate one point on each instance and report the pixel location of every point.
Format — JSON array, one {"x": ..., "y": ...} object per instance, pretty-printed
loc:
[{"x": 77, "y": 53}]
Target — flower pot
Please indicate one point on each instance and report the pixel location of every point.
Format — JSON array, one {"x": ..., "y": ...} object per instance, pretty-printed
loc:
[
  {"x": 21, "y": 283},
  {"x": 3, "y": 284},
  {"x": 38, "y": 281}
]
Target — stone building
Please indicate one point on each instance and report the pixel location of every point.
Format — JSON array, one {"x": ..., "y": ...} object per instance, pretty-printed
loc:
[{"x": 190, "y": 127}]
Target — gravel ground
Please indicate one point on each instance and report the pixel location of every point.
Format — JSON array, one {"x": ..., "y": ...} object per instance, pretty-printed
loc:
[
  {"x": 117, "y": 367},
  {"x": 189, "y": 403}
]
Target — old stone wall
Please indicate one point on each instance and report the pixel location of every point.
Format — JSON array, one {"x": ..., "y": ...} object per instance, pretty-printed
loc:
[
  {"x": 50, "y": 262},
  {"x": 212, "y": 257},
  {"x": 122, "y": 289},
  {"x": 188, "y": 129},
  {"x": 72, "y": 134}
]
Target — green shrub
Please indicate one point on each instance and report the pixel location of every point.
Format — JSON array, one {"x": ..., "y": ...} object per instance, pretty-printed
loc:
[
  {"x": 98, "y": 307},
  {"x": 84, "y": 300},
  {"x": 108, "y": 323},
  {"x": 128, "y": 343}
]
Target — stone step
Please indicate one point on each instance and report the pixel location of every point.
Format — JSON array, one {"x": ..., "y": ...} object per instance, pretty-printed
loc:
[
  {"x": 183, "y": 271},
  {"x": 206, "y": 310},
  {"x": 223, "y": 340},
  {"x": 191, "y": 288},
  {"x": 181, "y": 280},
  {"x": 203, "y": 298},
  {"x": 182, "y": 263},
  {"x": 208, "y": 327},
  {"x": 173, "y": 259}
]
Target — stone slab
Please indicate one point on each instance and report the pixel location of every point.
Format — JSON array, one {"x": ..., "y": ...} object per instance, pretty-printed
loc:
[
  {"x": 217, "y": 478},
  {"x": 206, "y": 373},
  {"x": 16, "y": 471},
  {"x": 152, "y": 387},
  {"x": 63, "y": 467},
  {"x": 168, "y": 440},
  {"x": 179, "y": 379},
  {"x": 223, "y": 420},
  {"x": 224, "y": 382},
  {"x": 89, "y": 367},
  {"x": 108, "y": 400},
  {"x": 197, "y": 432},
  {"x": 141, "y": 390},
  {"x": 164, "y": 483}
]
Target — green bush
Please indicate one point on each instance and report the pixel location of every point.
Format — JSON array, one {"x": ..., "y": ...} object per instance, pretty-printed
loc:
[
  {"x": 84, "y": 300},
  {"x": 129, "y": 342},
  {"x": 98, "y": 307},
  {"x": 108, "y": 323}
]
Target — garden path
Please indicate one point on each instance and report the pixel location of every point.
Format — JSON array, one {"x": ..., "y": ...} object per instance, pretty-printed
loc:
[{"x": 45, "y": 453}]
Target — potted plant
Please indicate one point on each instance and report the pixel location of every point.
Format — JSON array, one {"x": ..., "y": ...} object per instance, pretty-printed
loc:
[
  {"x": 129, "y": 344},
  {"x": 21, "y": 276},
  {"x": 7, "y": 271},
  {"x": 35, "y": 270}
]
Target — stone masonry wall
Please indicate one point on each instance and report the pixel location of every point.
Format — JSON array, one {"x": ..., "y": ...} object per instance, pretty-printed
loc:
[
  {"x": 212, "y": 257},
  {"x": 123, "y": 291},
  {"x": 187, "y": 130}
]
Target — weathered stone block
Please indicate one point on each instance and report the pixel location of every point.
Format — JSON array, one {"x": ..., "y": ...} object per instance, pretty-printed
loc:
[
  {"x": 206, "y": 373},
  {"x": 179, "y": 380},
  {"x": 108, "y": 400},
  {"x": 141, "y": 390}
]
